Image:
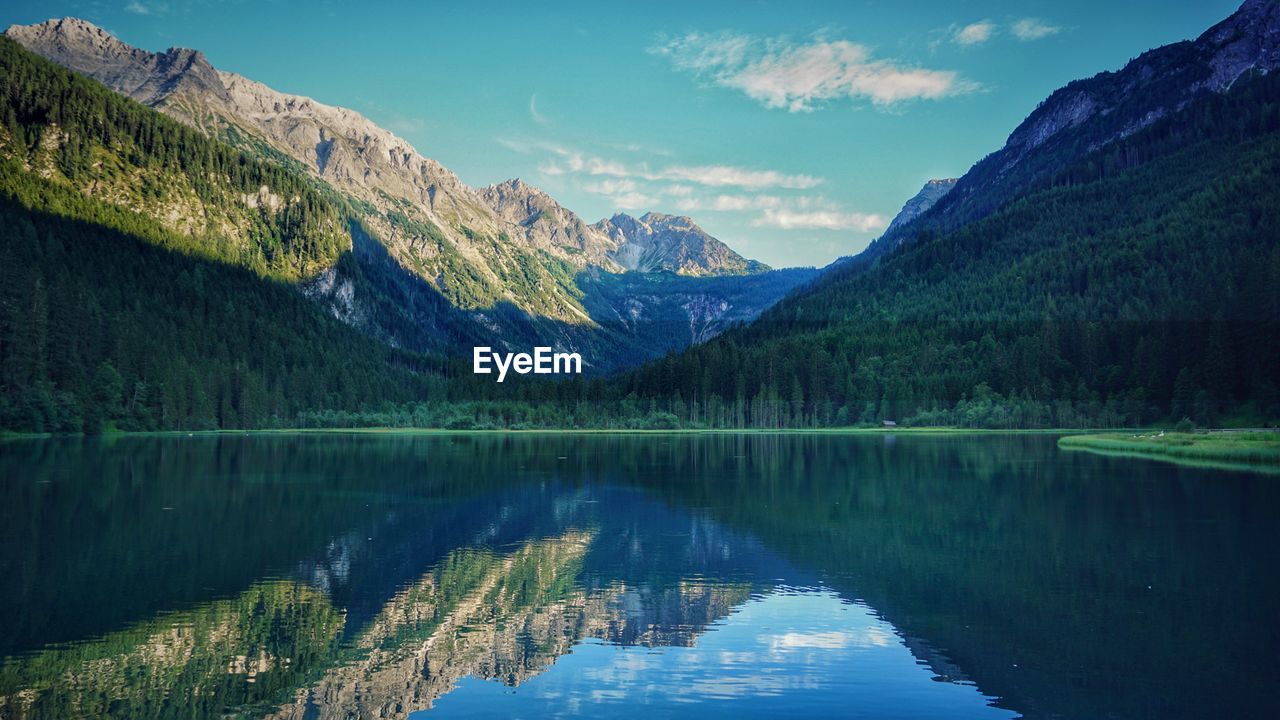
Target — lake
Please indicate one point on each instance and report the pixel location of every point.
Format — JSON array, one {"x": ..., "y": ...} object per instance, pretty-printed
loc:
[{"x": 311, "y": 576}]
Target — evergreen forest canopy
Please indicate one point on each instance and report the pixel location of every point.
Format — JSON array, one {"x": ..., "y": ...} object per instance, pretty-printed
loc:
[
  {"x": 1142, "y": 284},
  {"x": 109, "y": 319},
  {"x": 1139, "y": 285}
]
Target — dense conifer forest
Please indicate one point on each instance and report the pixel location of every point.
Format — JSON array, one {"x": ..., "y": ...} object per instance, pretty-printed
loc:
[
  {"x": 110, "y": 319},
  {"x": 1140, "y": 285}
]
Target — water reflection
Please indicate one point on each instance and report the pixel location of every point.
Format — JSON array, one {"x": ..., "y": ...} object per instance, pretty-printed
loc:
[
  {"x": 784, "y": 653},
  {"x": 365, "y": 576}
]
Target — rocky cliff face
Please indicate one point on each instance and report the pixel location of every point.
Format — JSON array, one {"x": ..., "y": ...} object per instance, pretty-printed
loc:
[
  {"x": 651, "y": 243},
  {"x": 673, "y": 243},
  {"x": 1089, "y": 114},
  {"x": 1248, "y": 40},
  {"x": 668, "y": 312},
  {"x": 929, "y": 195},
  {"x": 544, "y": 223},
  {"x": 146, "y": 77}
]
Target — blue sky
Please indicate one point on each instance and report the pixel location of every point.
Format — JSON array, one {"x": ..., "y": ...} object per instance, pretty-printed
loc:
[{"x": 791, "y": 130}]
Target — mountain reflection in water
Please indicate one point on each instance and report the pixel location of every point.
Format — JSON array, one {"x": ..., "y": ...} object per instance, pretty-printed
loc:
[{"x": 343, "y": 576}]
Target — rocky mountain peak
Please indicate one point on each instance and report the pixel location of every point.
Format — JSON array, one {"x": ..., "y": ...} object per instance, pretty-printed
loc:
[
  {"x": 1090, "y": 113},
  {"x": 1247, "y": 40},
  {"x": 515, "y": 188},
  {"x": 69, "y": 33},
  {"x": 657, "y": 218},
  {"x": 546, "y": 224},
  {"x": 929, "y": 195},
  {"x": 149, "y": 78},
  {"x": 674, "y": 243}
]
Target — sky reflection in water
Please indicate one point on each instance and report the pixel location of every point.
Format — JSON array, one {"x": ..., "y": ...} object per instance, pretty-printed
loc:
[
  {"x": 332, "y": 576},
  {"x": 800, "y": 651}
]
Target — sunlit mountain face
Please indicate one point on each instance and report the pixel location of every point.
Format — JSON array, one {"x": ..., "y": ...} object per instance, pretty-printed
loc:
[{"x": 456, "y": 576}]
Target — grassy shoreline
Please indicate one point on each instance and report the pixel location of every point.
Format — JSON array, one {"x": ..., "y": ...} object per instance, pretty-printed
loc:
[
  {"x": 1238, "y": 450},
  {"x": 939, "y": 430}
]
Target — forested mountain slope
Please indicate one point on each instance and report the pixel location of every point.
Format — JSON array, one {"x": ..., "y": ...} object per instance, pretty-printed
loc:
[
  {"x": 1141, "y": 283},
  {"x": 1089, "y": 113},
  {"x": 146, "y": 273},
  {"x": 100, "y": 329}
]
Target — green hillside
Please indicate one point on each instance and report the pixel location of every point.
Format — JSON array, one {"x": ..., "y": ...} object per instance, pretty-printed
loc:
[
  {"x": 110, "y": 317},
  {"x": 101, "y": 329},
  {"x": 1141, "y": 285},
  {"x": 155, "y": 178}
]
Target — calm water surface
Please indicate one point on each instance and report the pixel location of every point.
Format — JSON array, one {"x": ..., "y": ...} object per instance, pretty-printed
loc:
[{"x": 438, "y": 576}]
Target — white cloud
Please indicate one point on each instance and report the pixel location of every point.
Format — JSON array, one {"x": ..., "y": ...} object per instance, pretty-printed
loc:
[
  {"x": 729, "y": 203},
  {"x": 567, "y": 161},
  {"x": 600, "y": 166},
  {"x": 138, "y": 8},
  {"x": 404, "y": 125},
  {"x": 536, "y": 116},
  {"x": 523, "y": 148},
  {"x": 722, "y": 175},
  {"x": 975, "y": 33},
  {"x": 634, "y": 201},
  {"x": 550, "y": 168},
  {"x": 1032, "y": 29},
  {"x": 623, "y": 193},
  {"x": 640, "y": 149},
  {"x": 798, "y": 77},
  {"x": 701, "y": 188},
  {"x": 610, "y": 187},
  {"x": 819, "y": 220}
]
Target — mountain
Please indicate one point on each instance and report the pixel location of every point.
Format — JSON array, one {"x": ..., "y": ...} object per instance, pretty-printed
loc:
[
  {"x": 545, "y": 224},
  {"x": 147, "y": 273},
  {"x": 668, "y": 312},
  {"x": 477, "y": 614},
  {"x": 672, "y": 243},
  {"x": 1088, "y": 114},
  {"x": 1116, "y": 263},
  {"x": 929, "y": 195},
  {"x": 507, "y": 253}
]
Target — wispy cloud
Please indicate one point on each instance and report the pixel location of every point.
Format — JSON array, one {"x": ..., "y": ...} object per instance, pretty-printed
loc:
[
  {"x": 819, "y": 220},
  {"x": 728, "y": 203},
  {"x": 610, "y": 187},
  {"x": 1032, "y": 29},
  {"x": 624, "y": 194},
  {"x": 151, "y": 8},
  {"x": 723, "y": 175},
  {"x": 801, "y": 76},
  {"x": 638, "y": 148},
  {"x": 975, "y": 33},
  {"x": 534, "y": 115},
  {"x": 795, "y": 212},
  {"x": 567, "y": 161},
  {"x": 634, "y": 201},
  {"x": 514, "y": 145},
  {"x": 764, "y": 198},
  {"x": 404, "y": 125}
]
